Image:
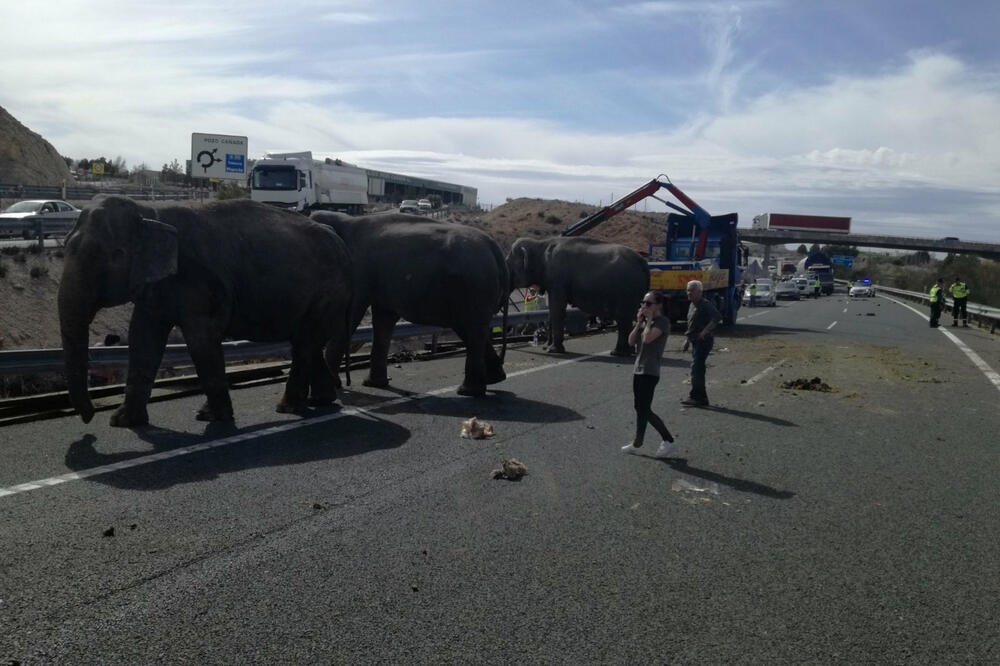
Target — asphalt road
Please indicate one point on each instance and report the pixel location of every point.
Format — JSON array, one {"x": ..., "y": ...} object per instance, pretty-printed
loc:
[{"x": 845, "y": 527}]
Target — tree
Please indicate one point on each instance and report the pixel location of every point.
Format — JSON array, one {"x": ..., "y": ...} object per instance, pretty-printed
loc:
[
  {"x": 813, "y": 248},
  {"x": 802, "y": 249}
]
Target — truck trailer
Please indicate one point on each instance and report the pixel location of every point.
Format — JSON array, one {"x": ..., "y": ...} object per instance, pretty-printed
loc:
[
  {"x": 793, "y": 222},
  {"x": 298, "y": 182}
]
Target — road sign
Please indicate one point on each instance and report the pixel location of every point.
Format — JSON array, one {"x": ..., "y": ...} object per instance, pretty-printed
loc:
[
  {"x": 97, "y": 168},
  {"x": 842, "y": 260},
  {"x": 221, "y": 156}
]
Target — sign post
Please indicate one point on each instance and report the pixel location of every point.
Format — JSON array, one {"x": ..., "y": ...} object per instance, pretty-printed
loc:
[
  {"x": 842, "y": 260},
  {"x": 219, "y": 156}
]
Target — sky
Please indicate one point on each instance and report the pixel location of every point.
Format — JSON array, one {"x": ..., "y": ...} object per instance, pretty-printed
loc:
[{"x": 884, "y": 111}]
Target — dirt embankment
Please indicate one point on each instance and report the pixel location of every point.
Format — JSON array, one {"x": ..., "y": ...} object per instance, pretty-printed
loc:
[{"x": 29, "y": 282}]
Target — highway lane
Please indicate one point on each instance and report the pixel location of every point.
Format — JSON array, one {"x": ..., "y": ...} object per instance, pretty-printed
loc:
[{"x": 845, "y": 527}]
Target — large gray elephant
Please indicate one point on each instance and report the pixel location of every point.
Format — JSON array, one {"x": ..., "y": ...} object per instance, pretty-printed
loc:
[
  {"x": 235, "y": 269},
  {"x": 602, "y": 279},
  {"x": 427, "y": 272}
]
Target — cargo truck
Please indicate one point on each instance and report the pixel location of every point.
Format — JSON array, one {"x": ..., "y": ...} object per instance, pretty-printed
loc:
[
  {"x": 820, "y": 264},
  {"x": 298, "y": 182},
  {"x": 793, "y": 222},
  {"x": 698, "y": 246}
]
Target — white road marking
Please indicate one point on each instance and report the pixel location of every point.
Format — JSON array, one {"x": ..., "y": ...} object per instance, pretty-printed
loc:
[
  {"x": 753, "y": 315},
  {"x": 760, "y": 375},
  {"x": 284, "y": 427},
  {"x": 845, "y": 309},
  {"x": 831, "y": 326},
  {"x": 976, "y": 359}
]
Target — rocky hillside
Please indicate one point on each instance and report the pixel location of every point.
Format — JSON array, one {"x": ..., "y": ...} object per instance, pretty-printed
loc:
[{"x": 25, "y": 157}]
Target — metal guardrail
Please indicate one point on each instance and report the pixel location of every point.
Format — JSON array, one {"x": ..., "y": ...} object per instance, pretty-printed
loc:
[
  {"x": 31, "y": 361},
  {"x": 983, "y": 315}
]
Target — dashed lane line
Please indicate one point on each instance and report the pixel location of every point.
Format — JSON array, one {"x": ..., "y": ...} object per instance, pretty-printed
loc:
[
  {"x": 976, "y": 359},
  {"x": 831, "y": 326},
  {"x": 760, "y": 375},
  {"x": 273, "y": 430}
]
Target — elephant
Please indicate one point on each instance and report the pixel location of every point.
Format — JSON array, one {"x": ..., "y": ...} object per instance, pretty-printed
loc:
[
  {"x": 235, "y": 269},
  {"x": 427, "y": 272},
  {"x": 602, "y": 279}
]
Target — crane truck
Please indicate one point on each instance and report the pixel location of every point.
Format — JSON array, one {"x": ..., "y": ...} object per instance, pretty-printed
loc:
[
  {"x": 698, "y": 246},
  {"x": 298, "y": 182}
]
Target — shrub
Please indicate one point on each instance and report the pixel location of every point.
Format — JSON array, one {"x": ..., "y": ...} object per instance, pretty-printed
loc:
[
  {"x": 552, "y": 219},
  {"x": 38, "y": 271},
  {"x": 230, "y": 191},
  {"x": 3, "y": 271},
  {"x": 20, "y": 258}
]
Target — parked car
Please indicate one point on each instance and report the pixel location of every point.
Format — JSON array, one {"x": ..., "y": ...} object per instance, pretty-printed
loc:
[
  {"x": 861, "y": 289},
  {"x": 20, "y": 218},
  {"x": 786, "y": 289},
  {"x": 409, "y": 206},
  {"x": 765, "y": 293},
  {"x": 425, "y": 205}
]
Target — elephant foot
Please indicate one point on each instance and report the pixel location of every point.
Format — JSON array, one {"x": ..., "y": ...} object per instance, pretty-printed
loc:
[
  {"x": 622, "y": 352},
  {"x": 206, "y": 413},
  {"x": 376, "y": 383},
  {"x": 322, "y": 400},
  {"x": 126, "y": 417},
  {"x": 292, "y": 407},
  {"x": 557, "y": 349},
  {"x": 495, "y": 376},
  {"x": 473, "y": 390}
]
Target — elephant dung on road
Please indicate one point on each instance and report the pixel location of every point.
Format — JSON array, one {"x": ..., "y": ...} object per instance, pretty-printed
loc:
[
  {"x": 234, "y": 269},
  {"x": 427, "y": 272},
  {"x": 602, "y": 279}
]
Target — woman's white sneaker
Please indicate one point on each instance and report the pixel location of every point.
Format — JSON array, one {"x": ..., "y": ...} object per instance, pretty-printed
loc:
[
  {"x": 666, "y": 449},
  {"x": 629, "y": 448}
]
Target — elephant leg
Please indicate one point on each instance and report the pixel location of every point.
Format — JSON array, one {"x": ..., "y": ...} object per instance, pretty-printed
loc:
[
  {"x": 205, "y": 348},
  {"x": 147, "y": 336},
  {"x": 622, "y": 347},
  {"x": 322, "y": 382},
  {"x": 383, "y": 324},
  {"x": 476, "y": 340},
  {"x": 494, "y": 367},
  {"x": 336, "y": 348},
  {"x": 295, "y": 398},
  {"x": 557, "y": 321}
]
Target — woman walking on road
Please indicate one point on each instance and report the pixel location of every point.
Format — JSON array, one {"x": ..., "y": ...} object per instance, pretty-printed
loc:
[{"x": 650, "y": 333}]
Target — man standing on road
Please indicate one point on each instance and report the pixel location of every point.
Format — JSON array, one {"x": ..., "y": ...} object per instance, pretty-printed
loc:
[
  {"x": 703, "y": 317},
  {"x": 937, "y": 302},
  {"x": 960, "y": 297},
  {"x": 753, "y": 293}
]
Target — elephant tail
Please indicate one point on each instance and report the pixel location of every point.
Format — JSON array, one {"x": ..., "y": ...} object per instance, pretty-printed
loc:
[
  {"x": 347, "y": 340},
  {"x": 503, "y": 329}
]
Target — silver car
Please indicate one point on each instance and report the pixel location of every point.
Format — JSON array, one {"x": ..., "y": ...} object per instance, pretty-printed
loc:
[
  {"x": 409, "y": 206},
  {"x": 21, "y": 218}
]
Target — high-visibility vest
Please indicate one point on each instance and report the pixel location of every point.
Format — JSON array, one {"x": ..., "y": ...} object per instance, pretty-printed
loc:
[
  {"x": 959, "y": 290},
  {"x": 753, "y": 290},
  {"x": 936, "y": 294}
]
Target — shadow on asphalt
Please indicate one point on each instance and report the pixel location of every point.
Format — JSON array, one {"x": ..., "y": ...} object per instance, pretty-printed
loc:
[
  {"x": 347, "y": 436},
  {"x": 742, "y": 485},
  {"x": 749, "y": 415},
  {"x": 754, "y": 330},
  {"x": 500, "y": 405}
]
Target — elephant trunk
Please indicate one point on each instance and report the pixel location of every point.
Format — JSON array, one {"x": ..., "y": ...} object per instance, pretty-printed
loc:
[{"x": 75, "y": 315}]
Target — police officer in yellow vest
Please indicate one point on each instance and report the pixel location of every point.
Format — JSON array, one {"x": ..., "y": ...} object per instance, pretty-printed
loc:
[
  {"x": 753, "y": 293},
  {"x": 937, "y": 301},
  {"x": 960, "y": 295},
  {"x": 816, "y": 288}
]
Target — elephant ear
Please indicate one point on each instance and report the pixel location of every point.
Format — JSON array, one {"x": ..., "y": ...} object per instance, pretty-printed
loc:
[{"x": 155, "y": 254}]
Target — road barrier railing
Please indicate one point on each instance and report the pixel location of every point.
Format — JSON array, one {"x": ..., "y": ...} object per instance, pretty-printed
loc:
[
  {"x": 33, "y": 361},
  {"x": 982, "y": 315}
]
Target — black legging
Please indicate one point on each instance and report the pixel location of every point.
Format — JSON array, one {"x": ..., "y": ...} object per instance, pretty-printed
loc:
[{"x": 642, "y": 388}]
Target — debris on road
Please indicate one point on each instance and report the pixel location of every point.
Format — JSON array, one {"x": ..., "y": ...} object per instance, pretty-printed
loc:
[
  {"x": 682, "y": 484},
  {"x": 475, "y": 429},
  {"x": 814, "y": 384},
  {"x": 110, "y": 532},
  {"x": 512, "y": 470}
]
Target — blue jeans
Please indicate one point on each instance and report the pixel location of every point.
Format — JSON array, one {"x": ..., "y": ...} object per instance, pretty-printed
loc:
[{"x": 699, "y": 354}]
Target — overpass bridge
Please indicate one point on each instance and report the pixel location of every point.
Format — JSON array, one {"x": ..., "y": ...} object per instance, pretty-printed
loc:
[{"x": 769, "y": 237}]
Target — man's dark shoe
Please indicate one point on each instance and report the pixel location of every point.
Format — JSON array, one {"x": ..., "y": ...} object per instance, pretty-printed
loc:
[{"x": 691, "y": 402}]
